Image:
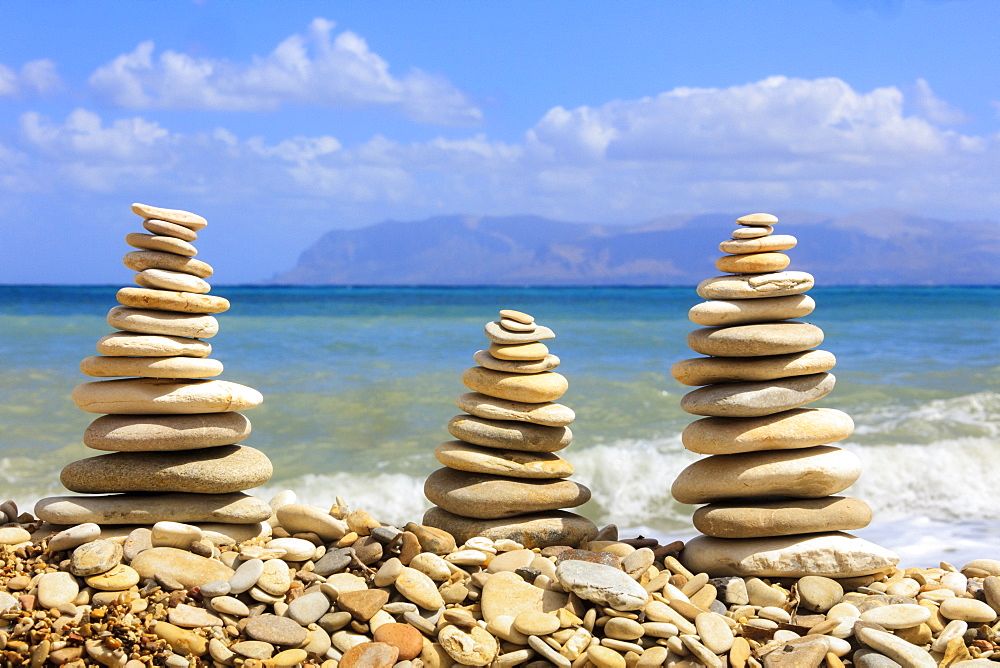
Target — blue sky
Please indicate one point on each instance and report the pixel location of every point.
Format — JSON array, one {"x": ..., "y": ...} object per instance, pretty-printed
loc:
[{"x": 279, "y": 121}]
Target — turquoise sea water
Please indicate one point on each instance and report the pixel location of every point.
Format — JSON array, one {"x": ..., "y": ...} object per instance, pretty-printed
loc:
[{"x": 359, "y": 384}]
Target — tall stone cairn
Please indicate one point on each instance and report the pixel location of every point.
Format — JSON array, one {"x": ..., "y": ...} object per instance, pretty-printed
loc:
[
  {"x": 770, "y": 478},
  {"x": 502, "y": 478},
  {"x": 173, "y": 433}
]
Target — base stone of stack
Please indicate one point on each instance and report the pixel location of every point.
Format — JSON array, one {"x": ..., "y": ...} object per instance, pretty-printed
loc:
[
  {"x": 759, "y": 519},
  {"x": 148, "y": 509},
  {"x": 484, "y": 496},
  {"x": 557, "y": 527},
  {"x": 834, "y": 555},
  {"x": 227, "y": 468}
]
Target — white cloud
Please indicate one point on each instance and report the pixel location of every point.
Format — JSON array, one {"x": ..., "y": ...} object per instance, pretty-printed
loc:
[
  {"x": 933, "y": 108},
  {"x": 315, "y": 68},
  {"x": 36, "y": 76}
]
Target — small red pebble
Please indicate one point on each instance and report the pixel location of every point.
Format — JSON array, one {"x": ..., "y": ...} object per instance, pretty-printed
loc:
[
  {"x": 27, "y": 601},
  {"x": 404, "y": 637}
]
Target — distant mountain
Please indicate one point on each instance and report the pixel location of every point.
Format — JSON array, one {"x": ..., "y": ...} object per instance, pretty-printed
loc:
[{"x": 873, "y": 248}]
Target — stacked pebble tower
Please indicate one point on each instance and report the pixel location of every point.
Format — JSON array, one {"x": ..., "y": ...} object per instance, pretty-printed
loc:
[
  {"x": 771, "y": 473},
  {"x": 173, "y": 432},
  {"x": 502, "y": 478}
]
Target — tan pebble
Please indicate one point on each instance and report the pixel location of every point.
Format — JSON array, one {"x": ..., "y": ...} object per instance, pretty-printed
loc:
[
  {"x": 604, "y": 657},
  {"x": 181, "y": 640},
  {"x": 753, "y": 263},
  {"x": 620, "y": 628},
  {"x": 534, "y": 622},
  {"x": 119, "y": 578},
  {"x": 517, "y": 316},
  {"x": 289, "y": 658},
  {"x": 502, "y": 626},
  {"x": 185, "y": 218},
  {"x": 757, "y": 219},
  {"x": 418, "y": 588},
  {"x": 171, "y": 301},
  {"x": 150, "y": 367},
  {"x": 534, "y": 388},
  {"x": 515, "y": 326},
  {"x": 968, "y": 610},
  {"x": 143, "y": 260},
  {"x": 162, "y": 244},
  {"x": 162, "y": 279},
  {"x": 752, "y": 232},
  {"x": 714, "y": 632},
  {"x": 165, "y": 228},
  {"x": 739, "y": 653},
  {"x": 475, "y": 647}
]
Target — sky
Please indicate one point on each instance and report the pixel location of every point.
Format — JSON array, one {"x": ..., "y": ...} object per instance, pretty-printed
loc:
[{"x": 279, "y": 121}]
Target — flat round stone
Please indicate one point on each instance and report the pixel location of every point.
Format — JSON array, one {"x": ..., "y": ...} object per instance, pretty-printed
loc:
[
  {"x": 127, "y": 344},
  {"x": 833, "y": 555},
  {"x": 897, "y": 616},
  {"x": 143, "y": 260},
  {"x": 797, "y": 428},
  {"x": 187, "y": 568},
  {"x": 519, "y": 352},
  {"x": 169, "y": 300},
  {"x": 162, "y": 244},
  {"x": 55, "y": 589},
  {"x": 509, "y": 434},
  {"x": 753, "y": 263},
  {"x": 746, "y": 311},
  {"x": 127, "y": 433},
  {"x": 710, "y": 370},
  {"x": 150, "y": 367},
  {"x": 769, "y": 338},
  {"x": 493, "y": 497},
  {"x": 755, "y": 286},
  {"x": 148, "y": 509},
  {"x": 226, "y": 468},
  {"x": 517, "y": 316},
  {"x": 759, "y": 519},
  {"x": 119, "y": 578},
  {"x": 186, "y": 218},
  {"x": 172, "y": 280},
  {"x": 148, "y": 321},
  {"x": 604, "y": 585},
  {"x": 555, "y": 527},
  {"x": 545, "y": 413},
  {"x": 165, "y": 228},
  {"x": 754, "y": 232},
  {"x": 754, "y": 399},
  {"x": 754, "y": 219},
  {"x": 462, "y": 456},
  {"x": 95, "y": 557},
  {"x": 497, "y": 334},
  {"x": 483, "y": 358},
  {"x": 515, "y": 326},
  {"x": 159, "y": 396},
  {"x": 807, "y": 473},
  {"x": 770, "y": 243},
  {"x": 528, "y": 388}
]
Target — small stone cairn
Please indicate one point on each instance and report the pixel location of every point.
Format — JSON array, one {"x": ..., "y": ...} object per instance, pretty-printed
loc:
[
  {"x": 502, "y": 478},
  {"x": 174, "y": 433},
  {"x": 771, "y": 474}
]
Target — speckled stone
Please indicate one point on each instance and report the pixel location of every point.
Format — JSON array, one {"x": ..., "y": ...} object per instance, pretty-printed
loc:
[
  {"x": 129, "y": 433},
  {"x": 797, "y": 428},
  {"x": 158, "y": 396},
  {"x": 758, "y": 398},
  {"x": 529, "y": 388},
  {"x": 773, "y": 338},
  {"x": 509, "y": 434},
  {"x": 143, "y": 260},
  {"x": 492, "y": 408},
  {"x": 493, "y": 497},
  {"x": 121, "y": 344},
  {"x": 462, "y": 456},
  {"x": 710, "y": 370},
  {"x": 782, "y": 518}
]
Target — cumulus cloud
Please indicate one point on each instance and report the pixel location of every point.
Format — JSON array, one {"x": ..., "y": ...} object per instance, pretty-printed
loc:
[
  {"x": 36, "y": 76},
  {"x": 933, "y": 108},
  {"x": 316, "y": 68}
]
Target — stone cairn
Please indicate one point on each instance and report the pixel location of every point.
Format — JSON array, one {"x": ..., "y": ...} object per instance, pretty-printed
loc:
[
  {"x": 771, "y": 473},
  {"x": 174, "y": 433},
  {"x": 502, "y": 478}
]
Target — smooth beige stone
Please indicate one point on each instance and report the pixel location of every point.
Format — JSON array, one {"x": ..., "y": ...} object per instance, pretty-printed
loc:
[
  {"x": 968, "y": 610},
  {"x": 491, "y": 408},
  {"x": 172, "y": 280},
  {"x": 506, "y": 594},
  {"x": 187, "y": 568},
  {"x": 186, "y": 218},
  {"x": 148, "y": 509},
  {"x": 169, "y": 300},
  {"x": 128, "y": 433},
  {"x": 143, "y": 260},
  {"x": 483, "y": 358},
  {"x": 150, "y": 367},
  {"x": 127, "y": 344},
  {"x": 556, "y": 527},
  {"x": 148, "y": 321},
  {"x": 226, "y": 468},
  {"x": 463, "y": 456},
  {"x": 165, "y": 228},
  {"x": 515, "y": 326},
  {"x": 710, "y": 370},
  {"x": 119, "y": 578},
  {"x": 533, "y": 388},
  {"x": 162, "y": 244},
  {"x": 754, "y": 399},
  {"x": 897, "y": 649},
  {"x": 517, "y": 316},
  {"x": 418, "y": 588},
  {"x": 159, "y": 396},
  {"x": 724, "y": 313},
  {"x": 755, "y": 219},
  {"x": 757, "y": 340},
  {"x": 519, "y": 352},
  {"x": 753, "y": 263},
  {"x": 494, "y": 497},
  {"x": 755, "y": 286},
  {"x": 836, "y": 555},
  {"x": 509, "y": 434},
  {"x": 754, "y": 232},
  {"x": 897, "y": 616},
  {"x": 807, "y": 473},
  {"x": 797, "y": 428},
  {"x": 768, "y": 244},
  {"x": 757, "y": 519},
  {"x": 497, "y": 334}
]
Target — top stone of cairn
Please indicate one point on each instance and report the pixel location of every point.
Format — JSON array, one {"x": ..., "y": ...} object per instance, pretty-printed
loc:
[
  {"x": 192, "y": 221},
  {"x": 757, "y": 219}
]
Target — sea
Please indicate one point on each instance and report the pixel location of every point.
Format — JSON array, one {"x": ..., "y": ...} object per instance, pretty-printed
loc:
[{"x": 360, "y": 382}]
